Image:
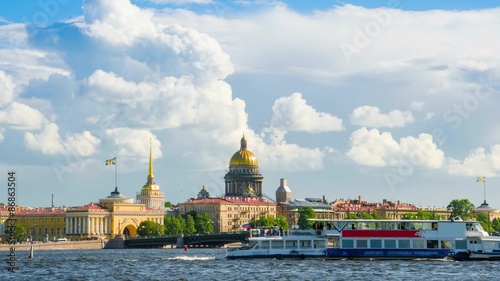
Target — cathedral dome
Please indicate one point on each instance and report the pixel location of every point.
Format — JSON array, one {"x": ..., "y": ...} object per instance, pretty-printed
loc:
[{"x": 243, "y": 156}]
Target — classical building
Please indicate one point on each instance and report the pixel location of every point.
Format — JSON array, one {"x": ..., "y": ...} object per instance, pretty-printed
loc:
[
  {"x": 150, "y": 194},
  {"x": 243, "y": 200},
  {"x": 243, "y": 173},
  {"x": 42, "y": 224},
  {"x": 113, "y": 216}
]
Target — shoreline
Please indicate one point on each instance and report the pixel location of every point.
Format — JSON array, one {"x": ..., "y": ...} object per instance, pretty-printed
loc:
[{"x": 70, "y": 245}]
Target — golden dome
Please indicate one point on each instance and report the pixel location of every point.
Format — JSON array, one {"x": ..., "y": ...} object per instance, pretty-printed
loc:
[{"x": 243, "y": 156}]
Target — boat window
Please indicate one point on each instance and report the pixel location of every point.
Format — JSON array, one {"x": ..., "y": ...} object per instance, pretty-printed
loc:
[
  {"x": 305, "y": 244},
  {"x": 291, "y": 244},
  {"x": 461, "y": 244},
  {"x": 418, "y": 244},
  {"x": 446, "y": 244},
  {"x": 434, "y": 226},
  {"x": 389, "y": 243},
  {"x": 404, "y": 244},
  {"x": 376, "y": 243},
  {"x": 348, "y": 243},
  {"x": 277, "y": 244},
  {"x": 432, "y": 244},
  {"x": 489, "y": 245},
  {"x": 319, "y": 244},
  {"x": 264, "y": 245},
  {"x": 477, "y": 226},
  {"x": 362, "y": 243}
]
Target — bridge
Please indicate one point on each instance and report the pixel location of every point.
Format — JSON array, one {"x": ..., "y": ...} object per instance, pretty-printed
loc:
[{"x": 208, "y": 240}]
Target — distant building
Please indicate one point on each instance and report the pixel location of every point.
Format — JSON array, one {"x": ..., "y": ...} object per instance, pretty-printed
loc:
[
  {"x": 244, "y": 199},
  {"x": 290, "y": 209},
  {"x": 283, "y": 193}
]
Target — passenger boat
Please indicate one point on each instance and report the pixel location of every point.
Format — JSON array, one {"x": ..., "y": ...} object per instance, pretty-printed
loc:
[
  {"x": 377, "y": 239},
  {"x": 410, "y": 239},
  {"x": 293, "y": 244}
]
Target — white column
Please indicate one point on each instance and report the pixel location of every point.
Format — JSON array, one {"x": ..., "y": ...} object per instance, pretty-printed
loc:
[
  {"x": 67, "y": 226},
  {"x": 71, "y": 225},
  {"x": 105, "y": 225},
  {"x": 101, "y": 225},
  {"x": 84, "y": 226}
]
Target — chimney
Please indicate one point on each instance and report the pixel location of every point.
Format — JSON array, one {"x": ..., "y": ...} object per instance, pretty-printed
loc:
[
  {"x": 282, "y": 182},
  {"x": 359, "y": 198}
]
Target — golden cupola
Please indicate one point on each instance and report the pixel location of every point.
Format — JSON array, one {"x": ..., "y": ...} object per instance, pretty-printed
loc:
[
  {"x": 243, "y": 177},
  {"x": 243, "y": 157}
]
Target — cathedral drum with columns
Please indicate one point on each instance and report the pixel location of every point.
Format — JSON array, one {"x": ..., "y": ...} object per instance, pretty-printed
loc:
[{"x": 243, "y": 175}]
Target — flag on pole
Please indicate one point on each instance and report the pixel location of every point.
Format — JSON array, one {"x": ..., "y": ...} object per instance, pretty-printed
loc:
[
  {"x": 246, "y": 225},
  {"x": 480, "y": 179},
  {"x": 111, "y": 161}
]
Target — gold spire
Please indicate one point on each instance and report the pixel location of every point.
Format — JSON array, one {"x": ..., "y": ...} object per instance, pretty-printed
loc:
[{"x": 150, "y": 172}]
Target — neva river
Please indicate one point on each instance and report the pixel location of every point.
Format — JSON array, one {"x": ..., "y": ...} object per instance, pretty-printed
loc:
[{"x": 210, "y": 264}]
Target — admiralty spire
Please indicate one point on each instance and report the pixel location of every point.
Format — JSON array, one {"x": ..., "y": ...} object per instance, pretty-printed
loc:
[{"x": 150, "y": 194}]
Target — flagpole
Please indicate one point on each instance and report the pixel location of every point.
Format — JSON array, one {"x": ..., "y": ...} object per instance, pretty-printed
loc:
[
  {"x": 116, "y": 177},
  {"x": 484, "y": 186}
]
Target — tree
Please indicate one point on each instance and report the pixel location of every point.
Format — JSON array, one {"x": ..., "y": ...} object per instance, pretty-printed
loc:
[
  {"x": 174, "y": 225},
  {"x": 483, "y": 219},
  {"x": 150, "y": 228},
  {"x": 306, "y": 213},
  {"x": 461, "y": 207},
  {"x": 420, "y": 215},
  {"x": 495, "y": 224},
  {"x": 190, "y": 225},
  {"x": 282, "y": 222},
  {"x": 203, "y": 223},
  {"x": 168, "y": 204},
  {"x": 20, "y": 232}
]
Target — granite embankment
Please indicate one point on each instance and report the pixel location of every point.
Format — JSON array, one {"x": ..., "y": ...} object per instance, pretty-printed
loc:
[{"x": 76, "y": 245}]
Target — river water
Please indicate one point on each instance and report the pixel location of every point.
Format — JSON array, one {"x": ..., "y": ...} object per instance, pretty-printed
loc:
[{"x": 210, "y": 264}]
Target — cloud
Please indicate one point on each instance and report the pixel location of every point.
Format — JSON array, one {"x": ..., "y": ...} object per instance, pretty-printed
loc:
[
  {"x": 372, "y": 148},
  {"x": 19, "y": 116},
  {"x": 6, "y": 88},
  {"x": 477, "y": 163},
  {"x": 370, "y": 116},
  {"x": 133, "y": 144},
  {"x": 181, "y": 2},
  {"x": 294, "y": 114},
  {"x": 47, "y": 142},
  {"x": 84, "y": 144}
]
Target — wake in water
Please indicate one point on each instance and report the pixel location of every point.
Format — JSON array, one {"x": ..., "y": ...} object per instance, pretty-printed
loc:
[{"x": 187, "y": 258}]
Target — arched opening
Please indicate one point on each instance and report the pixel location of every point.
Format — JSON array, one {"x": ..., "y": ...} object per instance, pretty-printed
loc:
[{"x": 130, "y": 231}]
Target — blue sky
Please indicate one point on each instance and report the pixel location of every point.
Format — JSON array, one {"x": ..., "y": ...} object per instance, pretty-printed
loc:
[{"x": 379, "y": 99}]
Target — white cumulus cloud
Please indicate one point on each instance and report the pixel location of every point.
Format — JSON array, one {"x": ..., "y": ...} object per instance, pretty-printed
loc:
[
  {"x": 294, "y": 114},
  {"x": 373, "y": 148},
  {"x": 478, "y": 162},
  {"x": 370, "y": 116}
]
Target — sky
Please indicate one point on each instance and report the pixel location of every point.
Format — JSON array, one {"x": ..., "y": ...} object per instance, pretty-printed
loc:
[{"x": 393, "y": 100}]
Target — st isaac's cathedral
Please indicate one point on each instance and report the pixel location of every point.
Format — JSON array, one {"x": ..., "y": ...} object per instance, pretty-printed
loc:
[{"x": 243, "y": 200}]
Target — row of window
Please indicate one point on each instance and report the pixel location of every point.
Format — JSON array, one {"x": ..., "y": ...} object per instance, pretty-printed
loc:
[
  {"x": 402, "y": 244},
  {"x": 291, "y": 244},
  {"x": 41, "y": 219}
]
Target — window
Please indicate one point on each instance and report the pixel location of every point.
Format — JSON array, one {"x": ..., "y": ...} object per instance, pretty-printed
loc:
[
  {"x": 432, "y": 244},
  {"x": 305, "y": 244},
  {"x": 418, "y": 244},
  {"x": 390, "y": 243},
  {"x": 362, "y": 243},
  {"x": 446, "y": 244},
  {"x": 291, "y": 244},
  {"x": 376, "y": 243},
  {"x": 265, "y": 245},
  {"x": 277, "y": 244},
  {"x": 319, "y": 244},
  {"x": 348, "y": 243},
  {"x": 404, "y": 244},
  {"x": 461, "y": 244}
]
